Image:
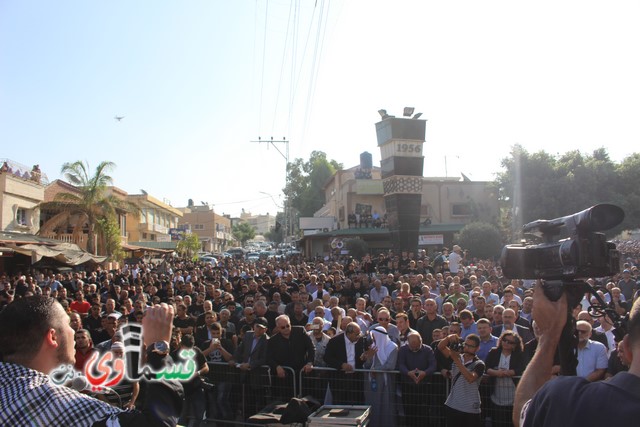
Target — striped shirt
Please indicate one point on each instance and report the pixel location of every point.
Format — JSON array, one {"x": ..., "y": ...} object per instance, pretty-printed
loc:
[{"x": 465, "y": 396}]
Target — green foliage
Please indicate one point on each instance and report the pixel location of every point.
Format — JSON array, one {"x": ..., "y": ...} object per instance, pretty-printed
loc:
[
  {"x": 306, "y": 180},
  {"x": 483, "y": 240},
  {"x": 357, "y": 247},
  {"x": 243, "y": 232},
  {"x": 188, "y": 245},
  {"x": 110, "y": 237},
  {"x": 276, "y": 234},
  {"x": 541, "y": 186},
  {"x": 93, "y": 202}
]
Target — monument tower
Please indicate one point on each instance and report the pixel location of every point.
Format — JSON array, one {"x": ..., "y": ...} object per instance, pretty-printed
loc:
[{"x": 402, "y": 160}]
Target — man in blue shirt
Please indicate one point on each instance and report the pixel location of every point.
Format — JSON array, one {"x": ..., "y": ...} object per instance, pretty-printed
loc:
[
  {"x": 487, "y": 341},
  {"x": 468, "y": 324},
  {"x": 416, "y": 363}
]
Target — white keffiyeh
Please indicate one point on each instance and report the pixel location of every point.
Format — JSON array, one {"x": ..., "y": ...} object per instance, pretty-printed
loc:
[{"x": 383, "y": 343}]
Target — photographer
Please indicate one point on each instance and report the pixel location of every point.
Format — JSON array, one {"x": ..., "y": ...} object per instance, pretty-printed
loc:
[
  {"x": 573, "y": 400},
  {"x": 463, "y": 404}
]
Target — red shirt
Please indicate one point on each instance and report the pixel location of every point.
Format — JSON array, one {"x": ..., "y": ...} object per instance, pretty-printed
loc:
[
  {"x": 80, "y": 307},
  {"x": 81, "y": 359}
]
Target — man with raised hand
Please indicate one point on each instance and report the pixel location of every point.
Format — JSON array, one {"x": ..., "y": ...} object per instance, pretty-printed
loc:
[{"x": 35, "y": 339}]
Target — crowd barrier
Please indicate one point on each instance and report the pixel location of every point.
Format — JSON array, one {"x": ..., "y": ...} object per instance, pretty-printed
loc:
[{"x": 233, "y": 396}]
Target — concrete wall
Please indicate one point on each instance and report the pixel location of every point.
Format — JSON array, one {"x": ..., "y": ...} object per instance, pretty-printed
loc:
[{"x": 22, "y": 195}]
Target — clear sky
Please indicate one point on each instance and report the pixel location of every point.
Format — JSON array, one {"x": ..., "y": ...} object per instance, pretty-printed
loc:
[{"x": 197, "y": 81}]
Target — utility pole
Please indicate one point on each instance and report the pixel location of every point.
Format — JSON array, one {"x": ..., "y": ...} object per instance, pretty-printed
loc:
[{"x": 288, "y": 214}]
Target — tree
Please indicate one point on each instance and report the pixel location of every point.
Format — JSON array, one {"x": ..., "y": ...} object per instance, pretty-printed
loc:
[
  {"x": 276, "y": 234},
  {"x": 243, "y": 232},
  {"x": 628, "y": 191},
  {"x": 91, "y": 203},
  {"x": 483, "y": 240},
  {"x": 306, "y": 180},
  {"x": 542, "y": 186},
  {"x": 110, "y": 237},
  {"x": 188, "y": 245}
]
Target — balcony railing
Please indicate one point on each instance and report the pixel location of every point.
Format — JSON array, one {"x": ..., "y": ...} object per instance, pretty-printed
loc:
[
  {"x": 78, "y": 239},
  {"x": 145, "y": 226}
]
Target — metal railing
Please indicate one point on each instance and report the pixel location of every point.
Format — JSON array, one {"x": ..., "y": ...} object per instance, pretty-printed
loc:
[{"x": 419, "y": 405}]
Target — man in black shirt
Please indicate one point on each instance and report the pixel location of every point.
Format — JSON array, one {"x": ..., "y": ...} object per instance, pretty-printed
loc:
[{"x": 291, "y": 347}]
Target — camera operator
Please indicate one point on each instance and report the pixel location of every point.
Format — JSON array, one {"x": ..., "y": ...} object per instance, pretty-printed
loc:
[
  {"x": 35, "y": 339},
  {"x": 463, "y": 404},
  {"x": 573, "y": 400}
]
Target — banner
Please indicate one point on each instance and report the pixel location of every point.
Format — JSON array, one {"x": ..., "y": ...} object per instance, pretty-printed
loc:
[{"x": 430, "y": 239}]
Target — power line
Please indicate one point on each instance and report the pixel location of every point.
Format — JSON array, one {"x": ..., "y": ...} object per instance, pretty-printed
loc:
[
  {"x": 284, "y": 55},
  {"x": 264, "y": 56}
]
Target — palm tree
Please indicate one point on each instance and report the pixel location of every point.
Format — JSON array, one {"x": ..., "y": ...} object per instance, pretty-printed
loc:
[{"x": 91, "y": 203}]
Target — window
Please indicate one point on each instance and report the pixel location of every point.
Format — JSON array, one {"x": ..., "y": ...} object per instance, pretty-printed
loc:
[
  {"x": 152, "y": 236},
  {"x": 21, "y": 216},
  {"x": 460, "y": 209},
  {"x": 198, "y": 226},
  {"x": 123, "y": 225}
]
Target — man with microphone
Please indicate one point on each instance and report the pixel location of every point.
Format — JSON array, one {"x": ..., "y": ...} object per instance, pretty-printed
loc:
[{"x": 35, "y": 339}]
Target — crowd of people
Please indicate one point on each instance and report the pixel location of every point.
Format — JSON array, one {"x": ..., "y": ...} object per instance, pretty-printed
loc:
[{"x": 386, "y": 330}]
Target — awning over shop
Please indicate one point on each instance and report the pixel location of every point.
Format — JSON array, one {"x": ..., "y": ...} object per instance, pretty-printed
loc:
[
  {"x": 134, "y": 248},
  {"x": 66, "y": 253}
]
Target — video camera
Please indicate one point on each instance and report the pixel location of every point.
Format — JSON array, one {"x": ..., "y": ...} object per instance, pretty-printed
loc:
[
  {"x": 456, "y": 345},
  {"x": 584, "y": 253},
  {"x": 561, "y": 264}
]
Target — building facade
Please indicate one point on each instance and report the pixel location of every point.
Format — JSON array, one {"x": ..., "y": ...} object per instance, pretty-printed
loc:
[
  {"x": 153, "y": 220},
  {"x": 356, "y": 201},
  {"x": 213, "y": 230},
  {"x": 22, "y": 191}
]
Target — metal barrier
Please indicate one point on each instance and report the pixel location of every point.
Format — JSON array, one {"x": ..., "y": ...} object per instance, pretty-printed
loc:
[
  {"x": 497, "y": 396},
  {"x": 386, "y": 391},
  {"x": 413, "y": 404},
  {"x": 233, "y": 396}
]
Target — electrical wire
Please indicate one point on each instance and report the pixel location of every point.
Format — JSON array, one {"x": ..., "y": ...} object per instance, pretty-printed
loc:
[
  {"x": 317, "y": 56},
  {"x": 264, "y": 56},
  {"x": 284, "y": 55}
]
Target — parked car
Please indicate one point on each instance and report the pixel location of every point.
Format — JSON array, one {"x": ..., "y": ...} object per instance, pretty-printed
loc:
[
  {"x": 252, "y": 256},
  {"x": 209, "y": 259}
]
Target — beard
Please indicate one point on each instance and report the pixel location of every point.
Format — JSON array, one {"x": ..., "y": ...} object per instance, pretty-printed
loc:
[{"x": 63, "y": 356}]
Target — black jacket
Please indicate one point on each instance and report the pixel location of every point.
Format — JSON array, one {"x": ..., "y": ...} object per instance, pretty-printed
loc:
[
  {"x": 517, "y": 363},
  {"x": 336, "y": 352},
  {"x": 295, "y": 351}
]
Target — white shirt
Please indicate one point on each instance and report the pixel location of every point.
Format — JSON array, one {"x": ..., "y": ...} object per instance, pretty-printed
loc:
[
  {"x": 454, "y": 262},
  {"x": 351, "y": 351},
  {"x": 611, "y": 339}
]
